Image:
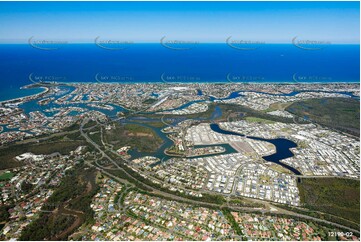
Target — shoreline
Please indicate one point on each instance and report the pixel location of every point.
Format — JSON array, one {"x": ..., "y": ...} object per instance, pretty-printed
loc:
[
  {"x": 46, "y": 89},
  {"x": 223, "y": 82},
  {"x": 30, "y": 97}
]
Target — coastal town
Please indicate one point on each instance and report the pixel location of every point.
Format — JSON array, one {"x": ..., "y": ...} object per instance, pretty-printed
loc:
[
  {"x": 180, "y": 120},
  {"x": 223, "y": 162},
  {"x": 65, "y": 104}
]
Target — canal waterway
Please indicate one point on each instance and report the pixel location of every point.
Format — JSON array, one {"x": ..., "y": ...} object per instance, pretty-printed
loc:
[
  {"x": 167, "y": 143},
  {"x": 282, "y": 145}
]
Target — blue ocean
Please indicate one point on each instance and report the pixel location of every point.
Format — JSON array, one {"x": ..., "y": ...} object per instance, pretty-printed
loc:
[{"x": 155, "y": 63}]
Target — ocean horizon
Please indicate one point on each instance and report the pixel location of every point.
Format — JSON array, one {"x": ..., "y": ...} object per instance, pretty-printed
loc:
[{"x": 141, "y": 62}]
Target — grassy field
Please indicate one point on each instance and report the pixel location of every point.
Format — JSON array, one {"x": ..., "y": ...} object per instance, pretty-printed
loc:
[
  {"x": 340, "y": 197},
  {"x": 229, "y": 109},
  {"x": 258, "y": 120},
  {"x": 278, "y": 106},
  {"x": 154, "y": 124},
  {"x": 134, "y": 135},
  {"x": 6, "y": 176},
  {"x": 339, "y": 113}
]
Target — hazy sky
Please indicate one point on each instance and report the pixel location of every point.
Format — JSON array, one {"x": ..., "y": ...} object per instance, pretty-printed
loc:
[{"x": 270, "y": 22}]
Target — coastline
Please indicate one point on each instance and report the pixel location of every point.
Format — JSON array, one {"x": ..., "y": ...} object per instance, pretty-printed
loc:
[
  {"x": 27, "y": 97},
  {"x": 46, "y": 89},
  {"x": 222, "y": 82}
]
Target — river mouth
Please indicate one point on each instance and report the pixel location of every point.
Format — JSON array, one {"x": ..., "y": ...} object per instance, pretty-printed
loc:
[{"x": 282, "y": 147}]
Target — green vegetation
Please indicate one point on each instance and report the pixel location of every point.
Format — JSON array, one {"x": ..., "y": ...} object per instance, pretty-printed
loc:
[
  {"x": 95, "y": 135},
  {"x": 232, "y": 221},
  {"x": 135, "y": 128},
  {"x": 139, "y": 180},
  {"x": 340, "y": 197},
  {"x": 121, "y": 174},
  {"x": 204, "y": 115},
  {"x": 26, "y": 187},
  {"x": 320, "y": 224},
  {"x": 4, "y": 212},
  {"x": 242, "y": 202},
  {"x": 46, "y": 227},
  {"x": 320, "y": 215},
  {"x": 339, "y": 113},
  {"x": 136, "y": 179},
  {"x": 89, "y": 124},
  {"x": 157, "y": 124},
  {"x": 73, "y": 136},
  {"x": 229, "y": 109},
  {"x": 277, "y": 106},
  {"x": 149, "y": 101},
  {"x": 62, "y": 144},
  {"x": 258, "y": 120},
  {"x": 6, "y": 176},
  {"x": 137, "y": 136},
  {"x": 73, "y": 127},
  {"x": 226, "y": 110},
  {"x": 72, "y": 200},
  {"x": 153, "y": 123},
  {"x": 174, "y": 151},
  {"x": 119, "y": 198}
]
